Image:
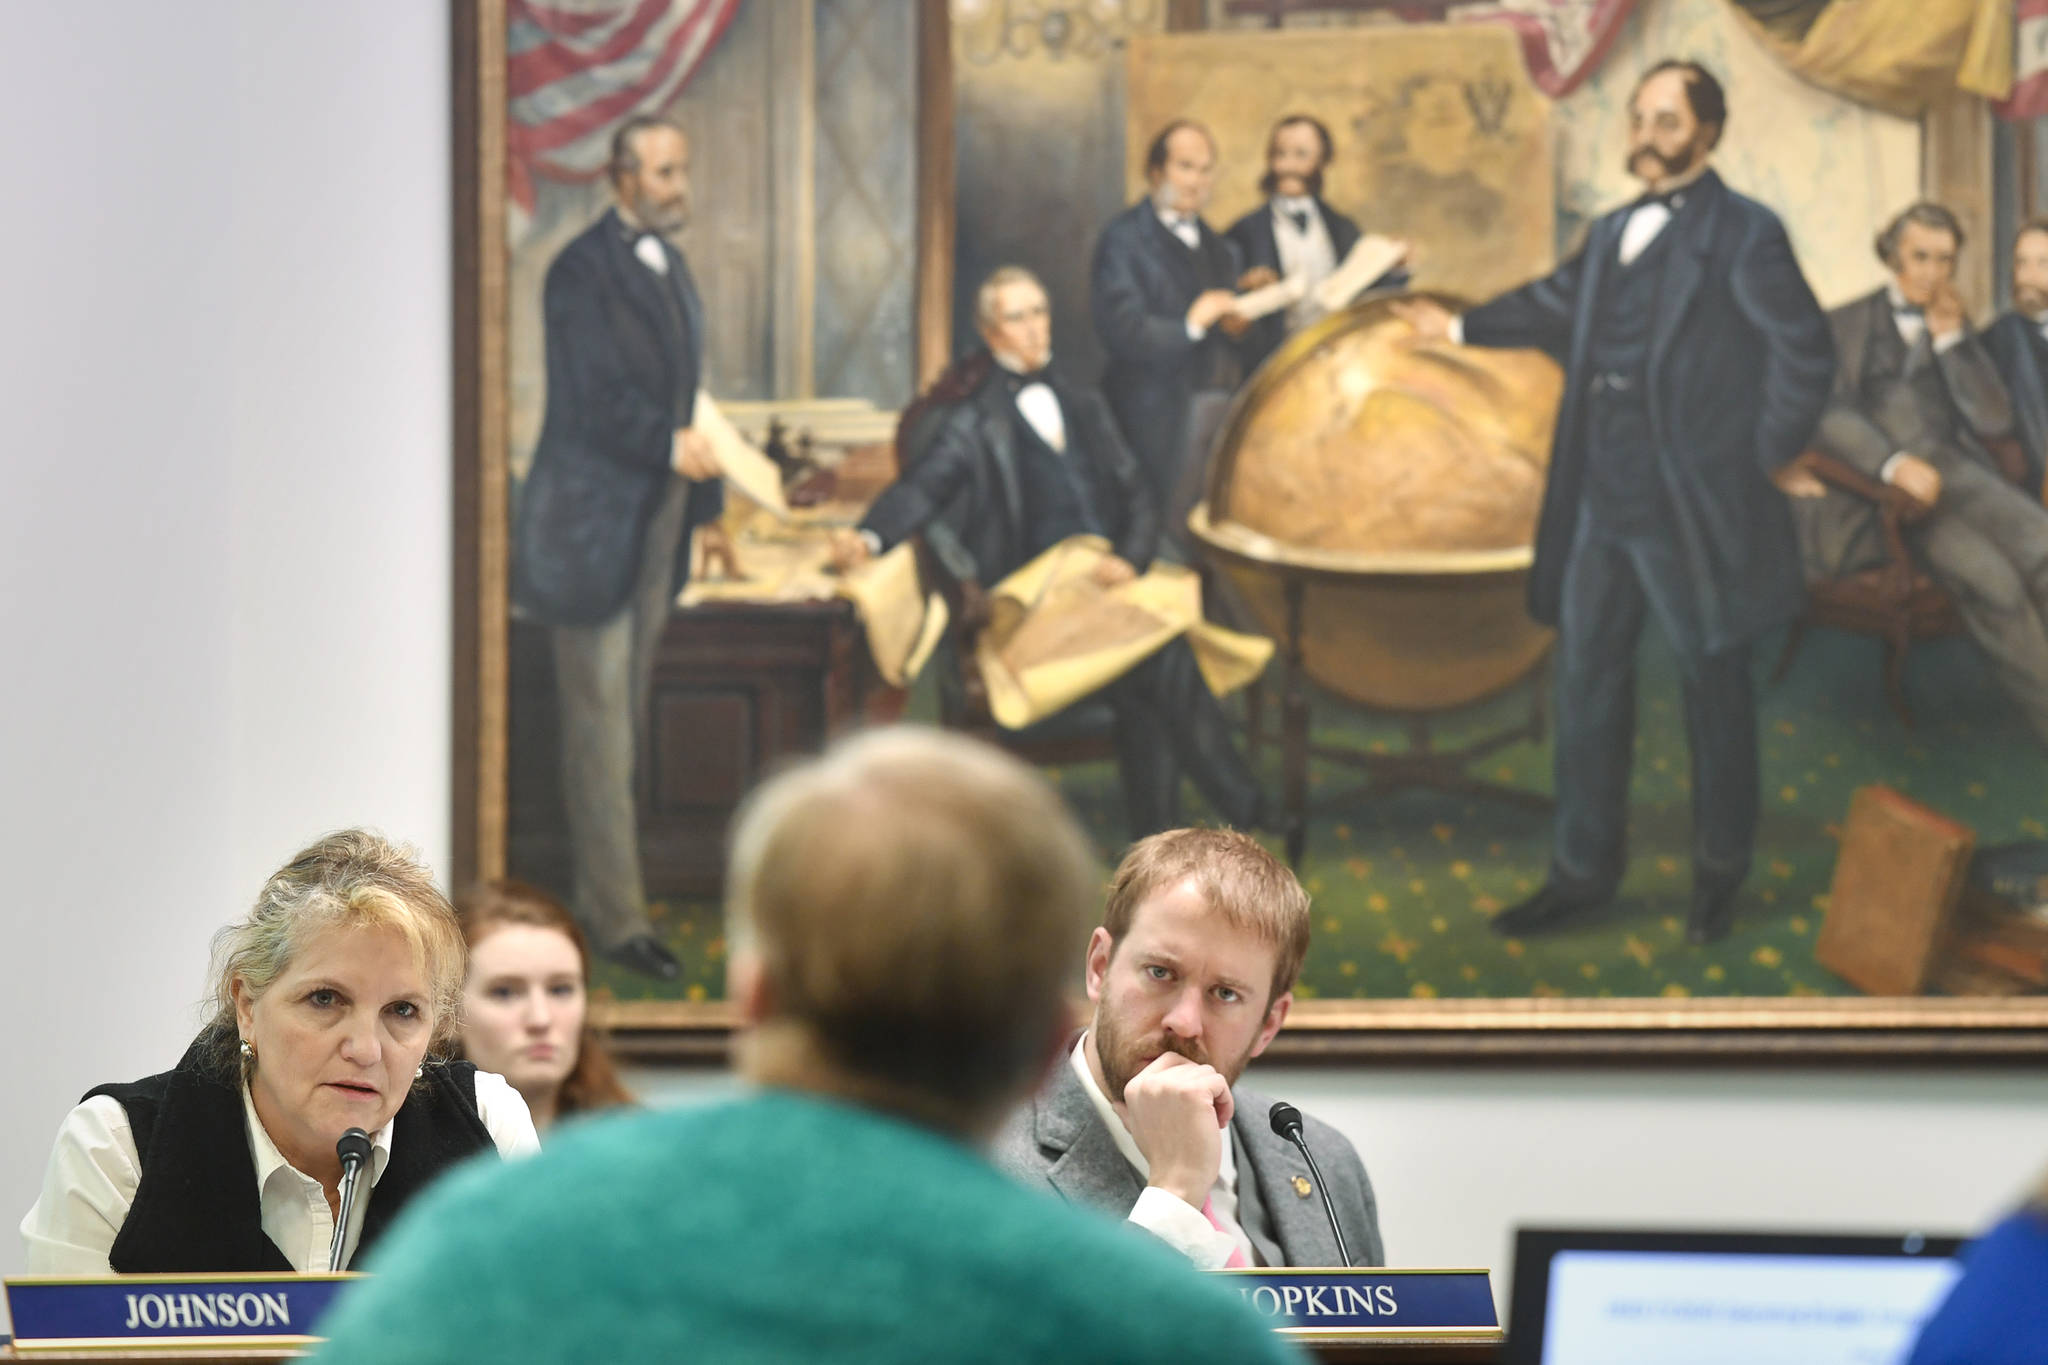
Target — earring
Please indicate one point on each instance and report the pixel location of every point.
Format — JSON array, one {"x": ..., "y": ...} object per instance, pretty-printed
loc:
[
  {"x": 419, "y": 1071},
  {"x": 248, "y": 1054}
]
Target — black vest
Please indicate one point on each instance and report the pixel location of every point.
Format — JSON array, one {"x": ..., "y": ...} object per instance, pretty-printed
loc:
[
  {"x": 197, "y": 1208},
  {"x": 1623, "y": 484},
  {"x": 666, "y": 290},
  {"x": 1889, "y": 362},
  {"x": 1059, "y": 500},
  {"x": 671, "y": 292}
]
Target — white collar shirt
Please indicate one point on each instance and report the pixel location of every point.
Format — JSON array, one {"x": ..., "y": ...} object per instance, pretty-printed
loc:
[
  {"x": 1165, "y": 1215},
  {"x": 1306, "y": 252},
  {"x": 1912, "y": 323},
  {"x": 94, "y": 1171},
  {"x": 648, "y": 249},
  {"x": 1649, "y": 220},
  {"x": 295, "y": 1213},
  {"x": 1644, "y": 226},
  {"x": 1185, "y": 226},
  {"x": 1040, "y": 407}
]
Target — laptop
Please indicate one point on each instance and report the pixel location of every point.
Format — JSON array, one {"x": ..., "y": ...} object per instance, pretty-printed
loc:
[{"x": 1712, "y": 1298}]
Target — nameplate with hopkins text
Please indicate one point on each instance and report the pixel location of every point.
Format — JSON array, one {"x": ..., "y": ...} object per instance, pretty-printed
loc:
[
  {"x": 61, "y": 1313},
  {"x": 1374, "y": 1302}
]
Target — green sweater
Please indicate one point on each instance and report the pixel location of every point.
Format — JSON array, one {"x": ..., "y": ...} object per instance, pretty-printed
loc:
[{"x": 778, "y": 1227}]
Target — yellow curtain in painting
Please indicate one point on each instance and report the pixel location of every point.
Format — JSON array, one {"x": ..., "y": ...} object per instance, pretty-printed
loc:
[{"x": 1897, "y": 55}]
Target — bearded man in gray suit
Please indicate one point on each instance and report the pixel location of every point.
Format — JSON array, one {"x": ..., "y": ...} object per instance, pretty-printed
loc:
[{"x": 1192, "y": 973}]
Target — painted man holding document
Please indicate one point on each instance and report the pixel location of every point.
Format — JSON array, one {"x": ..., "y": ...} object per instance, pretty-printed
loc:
[
  {"x": 1161, "y": 290},
  {"x": 1295, "y": 233},
  {"x": 1696, "y": 367},
  {"x": 602, "y": 535}
]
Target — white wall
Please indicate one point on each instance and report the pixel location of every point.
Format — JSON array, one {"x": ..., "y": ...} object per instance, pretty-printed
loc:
[
  {"x": 224, "y": 505},
  {"x": 1460, "y": 1158},
  {"x": 224, "y": 548}
]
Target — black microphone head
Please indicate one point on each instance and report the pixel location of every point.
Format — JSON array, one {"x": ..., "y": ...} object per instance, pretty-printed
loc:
[
  {"x": 353, "y": 1147},
  {"x": 1286, "y": 1120}
]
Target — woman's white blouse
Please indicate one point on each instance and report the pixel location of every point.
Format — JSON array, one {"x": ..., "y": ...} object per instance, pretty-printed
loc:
[{"x": 93, "y": 1173}]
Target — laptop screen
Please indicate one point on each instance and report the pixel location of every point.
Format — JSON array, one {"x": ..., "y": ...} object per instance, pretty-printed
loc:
[{"x": 1674, "y": 1298}]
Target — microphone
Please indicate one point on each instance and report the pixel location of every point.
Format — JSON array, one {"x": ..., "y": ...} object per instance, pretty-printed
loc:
[
  {"x": 353, "y": 1147},
  {"x": 1286, "y": 1120}
]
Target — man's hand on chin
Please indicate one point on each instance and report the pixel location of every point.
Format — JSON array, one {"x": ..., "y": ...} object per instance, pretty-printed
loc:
[{"x": 1176, "y": 1109}]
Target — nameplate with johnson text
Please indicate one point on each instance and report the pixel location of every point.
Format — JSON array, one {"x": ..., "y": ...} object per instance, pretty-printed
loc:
[
  {"x": 62, "y": 1313},
  {"x": 1308, "y": 1302}
]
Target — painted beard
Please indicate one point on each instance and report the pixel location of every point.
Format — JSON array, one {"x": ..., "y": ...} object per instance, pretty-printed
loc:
[
  {"x": 1165, "y": 200},
  {"x": 663, "y": 218},
  {"x": 2030, "y": 300},
  {"x": 1664, "y": 167},
  {"x": 1310, "y": 184}
]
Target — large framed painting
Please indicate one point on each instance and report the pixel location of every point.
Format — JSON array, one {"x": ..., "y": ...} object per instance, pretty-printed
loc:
[{"x": 1766, "y": 781}]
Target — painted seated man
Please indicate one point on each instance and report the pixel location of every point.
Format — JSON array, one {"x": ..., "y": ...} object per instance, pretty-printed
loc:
[
  {"x": 1192, "y": 972},
  {"x": 1026, "y": 461},
  {"x": 1916, "y": 400}
]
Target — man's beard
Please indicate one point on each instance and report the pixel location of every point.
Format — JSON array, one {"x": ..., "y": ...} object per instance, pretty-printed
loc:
[
  {"x": 1123, "y": 1057},
  {"x": 1164, "y": 200},
  {"x": 2030, "y": 299},
  {"x": 1667, "y": 167},
  {"x": 1311, "y": 184},
  {"x": 673, "y": 216}
]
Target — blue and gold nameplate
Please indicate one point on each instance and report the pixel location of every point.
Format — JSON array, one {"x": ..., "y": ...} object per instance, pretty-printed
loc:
[
  {"x": 1339, "y": 1302},
  {"x": 66, "y": 1314}
]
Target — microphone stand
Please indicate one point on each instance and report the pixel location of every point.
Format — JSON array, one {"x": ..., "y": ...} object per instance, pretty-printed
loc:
[
  {"x": 353, "y": 1148},
  {"x": 1286, "y": 1120}
]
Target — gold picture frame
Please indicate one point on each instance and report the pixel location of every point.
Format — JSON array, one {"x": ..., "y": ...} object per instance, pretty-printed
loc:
[{"x": 1549, "y": 1031}]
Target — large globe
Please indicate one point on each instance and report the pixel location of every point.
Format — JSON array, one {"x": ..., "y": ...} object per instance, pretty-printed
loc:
[{"x": 1395, "y": 485}]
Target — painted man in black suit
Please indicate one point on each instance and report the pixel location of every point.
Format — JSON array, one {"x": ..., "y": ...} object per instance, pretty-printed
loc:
[
  {"x": 620, "y": 479},
  {"x": 1023, "y": 463},
  {"x": 1294, "y": 233},
  {"x": 2019, "y": 343},
  {"x": 1919, "y": 404},
  {"x": 1696, "y": 365},
  {"x": 1161, "y": 290}
]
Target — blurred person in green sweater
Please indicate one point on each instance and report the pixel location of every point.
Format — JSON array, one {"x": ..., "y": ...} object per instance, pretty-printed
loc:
[{"x": 905, "y": 913}]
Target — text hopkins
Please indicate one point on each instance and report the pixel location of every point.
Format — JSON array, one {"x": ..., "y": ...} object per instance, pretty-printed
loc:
[
  {"x": 1344, "y": 1300},
  {"x": 225, "y": 1309}
]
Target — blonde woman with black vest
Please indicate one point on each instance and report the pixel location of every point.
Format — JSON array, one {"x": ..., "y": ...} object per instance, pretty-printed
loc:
[{"x": 331, "y": 1001}]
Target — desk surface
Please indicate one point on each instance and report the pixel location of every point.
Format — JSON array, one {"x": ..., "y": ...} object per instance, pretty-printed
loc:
[{"x": 1355, "y": 1351}]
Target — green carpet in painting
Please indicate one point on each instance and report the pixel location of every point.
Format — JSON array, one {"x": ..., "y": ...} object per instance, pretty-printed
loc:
[{"x": 1403, "y": 887}]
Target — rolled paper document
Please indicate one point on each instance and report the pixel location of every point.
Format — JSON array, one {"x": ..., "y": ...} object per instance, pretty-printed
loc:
[
  {"x": 1254, "y": 304},
  {"x": 744, "y": 467},
  {"x": 1369, "y": 258}
]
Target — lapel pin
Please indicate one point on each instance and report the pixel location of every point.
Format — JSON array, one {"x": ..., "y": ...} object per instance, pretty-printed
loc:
[{"x": 1301, "y": 1186}]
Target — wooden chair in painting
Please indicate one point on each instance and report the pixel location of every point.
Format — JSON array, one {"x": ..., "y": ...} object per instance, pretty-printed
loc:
[
  {"x": 1083, "y": 732},
  {"x": 1897, "y": 603}
]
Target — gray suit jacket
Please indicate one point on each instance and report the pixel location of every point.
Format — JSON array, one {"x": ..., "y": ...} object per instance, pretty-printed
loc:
[
  {"x": 1875, "y": 413},
  {"x": 1058, "y": 1140}
]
